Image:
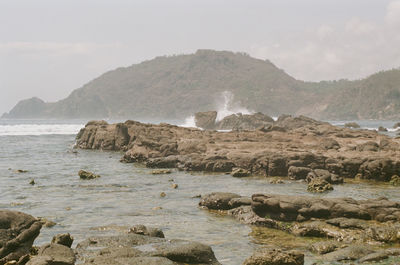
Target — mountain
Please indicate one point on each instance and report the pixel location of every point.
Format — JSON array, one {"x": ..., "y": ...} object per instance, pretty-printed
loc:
[{"x": 174, "y": 87}]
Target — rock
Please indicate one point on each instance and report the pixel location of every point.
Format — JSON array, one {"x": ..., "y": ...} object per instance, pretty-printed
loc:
[
  {"x": 161, "y": 171},
  {"x": 244, "y": 122},
  {"x": 163, "y": 194},
  {"x": 63, "y": 239},
  {"x": 276, "y": 181},
  {"x": 368, "y": 146},
  {"x": 395, "y": 180},
  {"x": 319, "y": 185},
  {"x": 240, "y": 172},
  {"x": 147, "y": 231},
  {"x": 21, "y": 171},
  {"x": 275, "y": 257},
  {"x": 17, "y": 233},
  {"x": 174, "y": 186},
  {"x": 325, "y": 175},
  {"x": 396, "y": 125},
  {"x": 346, "y": 222},
  {"x": 298, "y": 172},
  {"x": 292, "y": 208},
  {"x": 382, "y": 129},
  {"x": 218, "y": 200},
  {"x": 87, "y": 175},
  {"x": 353, "y": 125},
  {"x": 54, "y": 254},
  {"x": 205, "y": 120},
  {"x": 46, "y": 222},
  {"x": 353, "y": 252},
  {"x": 303, "y": 143},
  {"x": 32, "y": 182},
  {"x": 374, "y": 257},
  {"x": 324, "y": 247},
  {"x": 139, "y": 249}
]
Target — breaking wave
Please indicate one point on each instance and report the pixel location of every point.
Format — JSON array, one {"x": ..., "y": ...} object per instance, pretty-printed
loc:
[{"x": 39, "y": 129}]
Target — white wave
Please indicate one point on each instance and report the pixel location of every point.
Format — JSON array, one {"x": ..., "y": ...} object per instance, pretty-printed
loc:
[
  {"x": 39, "y": 129},
  {"x": 189, "y": 122},
  {"x": 228, "y": 108}
]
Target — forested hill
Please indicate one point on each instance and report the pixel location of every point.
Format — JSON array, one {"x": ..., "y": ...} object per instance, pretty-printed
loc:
[{"x": 174, "y": 87}]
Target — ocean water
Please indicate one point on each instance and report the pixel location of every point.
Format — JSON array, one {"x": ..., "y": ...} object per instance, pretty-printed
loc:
[{"x": 128, "y": 194}]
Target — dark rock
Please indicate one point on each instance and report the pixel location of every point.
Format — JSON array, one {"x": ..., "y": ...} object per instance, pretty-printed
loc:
[
  {"x": 275, "y": 257},
  {"x": 63, "y": 239},
  {"x": 87, "y": 175},
  {"x": 298, "y": 172},
  {"x": 17, "y": 233},
  {"x": 147, "y": 231},
  {"x": 353, "y": 125},
  {"x": 382, "y": 129},
  {"x": 218, "y": 200}
]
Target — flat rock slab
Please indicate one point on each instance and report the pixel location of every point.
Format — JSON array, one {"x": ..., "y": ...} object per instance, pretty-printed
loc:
[{"x": 130, "y": 248}]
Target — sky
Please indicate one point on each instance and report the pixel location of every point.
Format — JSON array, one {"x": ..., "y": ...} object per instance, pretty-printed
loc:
[{"x": 50, "y": 47}]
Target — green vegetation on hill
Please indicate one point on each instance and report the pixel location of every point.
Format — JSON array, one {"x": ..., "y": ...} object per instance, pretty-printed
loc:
[{"x": 175, "y": 87}]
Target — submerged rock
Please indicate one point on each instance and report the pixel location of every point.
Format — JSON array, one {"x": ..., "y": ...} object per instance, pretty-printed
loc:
[
  {"x": 87, "y": 175},
  {"x": 147, "y": 231}
]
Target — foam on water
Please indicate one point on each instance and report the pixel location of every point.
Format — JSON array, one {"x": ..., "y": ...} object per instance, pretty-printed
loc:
[
  {"x": 39, "y": 129},
  {"x": 189, "y": 122}
]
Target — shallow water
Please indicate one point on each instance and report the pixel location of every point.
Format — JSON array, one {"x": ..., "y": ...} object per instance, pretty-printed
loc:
[{"x": 128, "y": 194}]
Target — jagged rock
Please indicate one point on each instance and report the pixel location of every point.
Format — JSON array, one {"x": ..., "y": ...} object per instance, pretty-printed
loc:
[
  {"x": 275, "y": 257},
  {"x": 87, "y": 175},
  {"x": 319, "y": 185},
  {"x": 63, "y": 239},
  {"x": 17, "y": 233}
]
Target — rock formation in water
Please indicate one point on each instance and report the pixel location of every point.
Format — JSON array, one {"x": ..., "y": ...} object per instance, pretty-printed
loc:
[
  {"x": 171, "y": 87},
  {"x": 349, "y": 228},
  {"x": 298, "y": 147}
]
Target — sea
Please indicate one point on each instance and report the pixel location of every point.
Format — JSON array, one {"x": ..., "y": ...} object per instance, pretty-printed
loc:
[{"x": 128, "y": 194}]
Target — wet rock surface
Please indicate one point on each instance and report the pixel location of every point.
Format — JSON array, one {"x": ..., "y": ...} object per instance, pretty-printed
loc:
[
  {"x": 87, "y": 175},
  {"x": 351, "y": 230},
  {"x": 17, "y": 233},
  {"x": 290, "y": 146}
]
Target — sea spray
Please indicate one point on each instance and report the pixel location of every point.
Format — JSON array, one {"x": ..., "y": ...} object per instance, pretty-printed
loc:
[{"x": 228, "y": 106}]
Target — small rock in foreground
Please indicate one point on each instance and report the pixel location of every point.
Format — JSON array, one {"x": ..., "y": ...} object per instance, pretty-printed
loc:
[{"x": 87, "y": 175}]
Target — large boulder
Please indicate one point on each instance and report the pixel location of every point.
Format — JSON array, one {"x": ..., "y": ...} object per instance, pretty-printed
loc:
[
  {"x": 54, "y": 254},
  {"x": 17, "y": 233},
  {"x": 218, "y": 200},
  {"x": 205, "y": 120}
]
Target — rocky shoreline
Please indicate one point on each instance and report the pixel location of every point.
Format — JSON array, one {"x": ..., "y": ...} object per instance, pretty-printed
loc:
[
  {"x": 297, "y": 147},
  {"x": 348, "y": 230}
]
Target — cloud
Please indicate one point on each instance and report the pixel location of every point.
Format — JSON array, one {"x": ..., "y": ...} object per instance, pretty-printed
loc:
[{"x": 352, "y": 50}]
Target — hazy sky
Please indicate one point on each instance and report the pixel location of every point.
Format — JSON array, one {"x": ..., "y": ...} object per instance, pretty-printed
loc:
[{"x": 48, "y": 48}]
